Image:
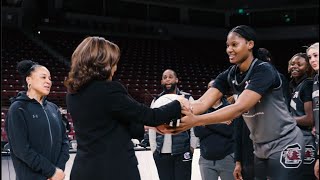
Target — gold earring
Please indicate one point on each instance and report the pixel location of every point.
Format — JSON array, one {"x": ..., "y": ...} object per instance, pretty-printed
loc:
[{"x": 29, "y": 86}]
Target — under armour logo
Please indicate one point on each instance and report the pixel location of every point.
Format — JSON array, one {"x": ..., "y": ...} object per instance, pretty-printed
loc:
[
  {"x": 54, "y": 115},
  {"x": 35, "y": 116}
]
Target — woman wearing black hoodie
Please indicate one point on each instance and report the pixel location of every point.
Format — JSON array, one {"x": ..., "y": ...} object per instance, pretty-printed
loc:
[{"x": 36, "y": 134}]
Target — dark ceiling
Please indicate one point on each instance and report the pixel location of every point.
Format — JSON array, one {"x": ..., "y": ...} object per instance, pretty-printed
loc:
[{"x": 234, "y": 4}]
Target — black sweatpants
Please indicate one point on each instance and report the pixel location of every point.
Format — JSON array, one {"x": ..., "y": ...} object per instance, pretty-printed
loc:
[
  {"x": 278, "y": 167},
  {"x": 173, "y": 167}
]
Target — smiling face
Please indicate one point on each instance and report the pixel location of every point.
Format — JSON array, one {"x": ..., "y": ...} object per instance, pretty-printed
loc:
[
  {"x": 40, "y": 81},
  {"x": 313, "y": 54},
  {"x": 298, "y": 67},
  {"x": 238, "y": 48}
]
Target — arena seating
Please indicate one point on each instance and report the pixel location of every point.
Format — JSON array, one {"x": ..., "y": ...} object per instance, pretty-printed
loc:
[
  {"x": 4, "y": 138},
  {"x": 140, "y": 68},
  {"x": 143, "y": 61},
  {"x": 141, "y": 64},
  {"x": 17, "y": 47}
]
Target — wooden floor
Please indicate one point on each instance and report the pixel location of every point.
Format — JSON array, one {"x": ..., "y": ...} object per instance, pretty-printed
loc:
[{"x": 148, "y": 170}]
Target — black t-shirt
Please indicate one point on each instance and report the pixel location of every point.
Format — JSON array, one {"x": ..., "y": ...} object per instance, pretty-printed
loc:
[
  {"x": 263, "y": 78},
  {"x": 305, "y": 91},
  {"x": 301, "y": 93}
]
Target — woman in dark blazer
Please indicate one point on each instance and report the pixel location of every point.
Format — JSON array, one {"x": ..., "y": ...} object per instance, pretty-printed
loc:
[{"x": 105, "y": 117}]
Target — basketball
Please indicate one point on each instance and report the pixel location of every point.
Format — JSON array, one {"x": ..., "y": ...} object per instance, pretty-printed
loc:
[{"x": 163, "y": 100}]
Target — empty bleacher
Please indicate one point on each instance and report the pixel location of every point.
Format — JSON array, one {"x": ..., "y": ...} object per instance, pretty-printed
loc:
[{"x": 140, "y": 68}]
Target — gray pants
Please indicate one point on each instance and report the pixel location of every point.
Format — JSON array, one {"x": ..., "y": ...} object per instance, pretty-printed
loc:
[{"x": 212, "y": 169}]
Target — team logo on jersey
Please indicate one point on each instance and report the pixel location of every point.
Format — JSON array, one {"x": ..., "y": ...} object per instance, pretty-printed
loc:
[
  {"x": 54, "y": 115},
  {"x": 293, "y": 104},
  {"x": 296, "y": 94},
  {"x": 291, "y": 156},
  {"x": 309, "y": 155},
  {"x": 315, "y": 94},
  {"x": 187, "y": 156},
  {"x": 247, "y": 83}
]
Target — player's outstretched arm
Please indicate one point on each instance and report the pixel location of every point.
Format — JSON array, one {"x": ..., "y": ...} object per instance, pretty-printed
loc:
[
  {"x": 246, "y": 100},
  {"x": 207, "y": 100}
]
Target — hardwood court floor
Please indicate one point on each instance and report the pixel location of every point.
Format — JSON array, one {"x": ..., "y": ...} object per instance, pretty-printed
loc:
[{"x": 148, "y": 170}]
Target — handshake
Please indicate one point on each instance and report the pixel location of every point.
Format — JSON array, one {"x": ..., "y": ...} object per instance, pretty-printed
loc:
[{"x": 176, "y": 125}]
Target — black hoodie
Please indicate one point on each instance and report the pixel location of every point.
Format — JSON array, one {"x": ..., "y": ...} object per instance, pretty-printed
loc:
[
  {"x": 216, "y": 140},
  {"x": 37, "y": 138}
]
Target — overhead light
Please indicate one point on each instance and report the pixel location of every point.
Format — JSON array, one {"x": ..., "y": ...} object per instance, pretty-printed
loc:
[{"x": 241, "y": 11}]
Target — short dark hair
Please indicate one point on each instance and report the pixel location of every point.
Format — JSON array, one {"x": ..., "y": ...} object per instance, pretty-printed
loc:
[{"x": 174, "y": 73}]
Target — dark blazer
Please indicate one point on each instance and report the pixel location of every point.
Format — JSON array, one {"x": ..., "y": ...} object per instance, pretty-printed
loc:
[{"x": 103, "y": 113}]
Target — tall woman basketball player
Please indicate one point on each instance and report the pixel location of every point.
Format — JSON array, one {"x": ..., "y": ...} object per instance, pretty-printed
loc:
[{"x": 278, "y": 142}]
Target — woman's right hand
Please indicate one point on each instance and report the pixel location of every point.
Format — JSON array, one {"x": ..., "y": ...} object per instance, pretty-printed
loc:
[
  {"x": 58, "y": 175},
  {"x": 237, "y": 171}
]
